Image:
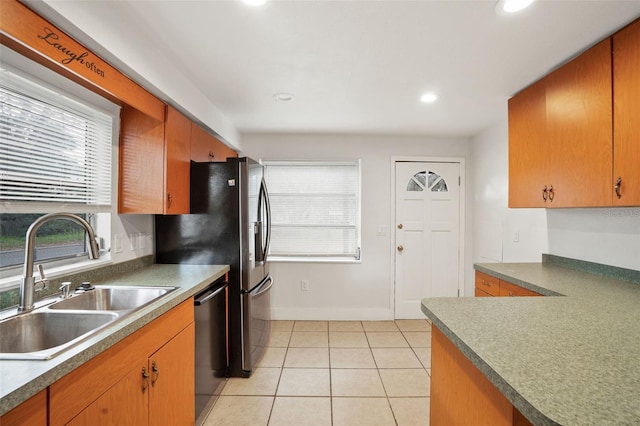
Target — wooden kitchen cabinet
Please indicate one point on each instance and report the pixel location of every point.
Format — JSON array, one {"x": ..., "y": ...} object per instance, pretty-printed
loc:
[
  {"x": 112, "y": 387},
  {"x": 560, "y": 138},
  {"x": 626, "y": 115},
  {"x": 32, "y": 412},
  {"x": 487, "y": 286},
  {"x": 461, "y": 394},
  {"x": 207, "y": 148},
  {"x": 154, "y": 163}
]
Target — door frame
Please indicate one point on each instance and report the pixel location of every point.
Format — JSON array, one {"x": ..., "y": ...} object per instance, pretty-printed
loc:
[{"x": 392, "y": 227}]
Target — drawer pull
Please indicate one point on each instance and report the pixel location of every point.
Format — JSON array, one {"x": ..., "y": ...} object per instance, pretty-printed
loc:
[{"x": 145, "y": 379}]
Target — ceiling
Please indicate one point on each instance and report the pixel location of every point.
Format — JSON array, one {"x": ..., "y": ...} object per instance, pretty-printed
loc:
[{"x": 355, "y": 66}]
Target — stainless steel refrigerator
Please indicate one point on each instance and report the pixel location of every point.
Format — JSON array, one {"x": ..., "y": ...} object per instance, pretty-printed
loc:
[{"x": 229, "y": 224}]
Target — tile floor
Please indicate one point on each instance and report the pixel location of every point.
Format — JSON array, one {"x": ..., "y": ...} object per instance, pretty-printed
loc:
[{"x": 334, "y": 373}]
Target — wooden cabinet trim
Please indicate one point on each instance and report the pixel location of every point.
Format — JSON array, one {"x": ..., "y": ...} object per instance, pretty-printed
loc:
[
  {"x": 72, "y": 393},
  {"x": 31, "y": 35}
]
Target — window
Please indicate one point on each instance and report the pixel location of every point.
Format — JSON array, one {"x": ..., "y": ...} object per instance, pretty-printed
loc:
[
  {"x": 55, "y": 155},
  {"x": 315, "y": 209}
]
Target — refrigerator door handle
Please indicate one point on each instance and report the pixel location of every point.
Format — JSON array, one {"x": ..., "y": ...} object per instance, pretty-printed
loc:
[
  {"x": 265, "y": 194},
  {"x": 257, "y": 289},
  {"x": 262, "y": 243}
]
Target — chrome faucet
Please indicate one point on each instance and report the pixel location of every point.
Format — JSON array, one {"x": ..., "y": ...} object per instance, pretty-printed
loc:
[{"x": 28, "y": 282}]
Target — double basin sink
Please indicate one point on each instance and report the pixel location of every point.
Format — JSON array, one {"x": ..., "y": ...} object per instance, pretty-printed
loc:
[{"x": 50, "y": 330}]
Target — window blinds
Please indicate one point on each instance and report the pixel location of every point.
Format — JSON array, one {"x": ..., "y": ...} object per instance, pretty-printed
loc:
[
  {"x": 315, "y": 208},
  {"x": 53, "y": 149}
]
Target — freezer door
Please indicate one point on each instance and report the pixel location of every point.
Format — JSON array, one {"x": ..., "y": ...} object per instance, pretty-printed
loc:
[{"x": 256, "y": 307}]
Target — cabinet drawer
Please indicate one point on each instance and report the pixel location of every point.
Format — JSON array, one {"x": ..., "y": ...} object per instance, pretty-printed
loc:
[
  {"x": 508, "y": 289},
  {"x": 487, "y": 283},
  {"x": 481, "y": 293}
]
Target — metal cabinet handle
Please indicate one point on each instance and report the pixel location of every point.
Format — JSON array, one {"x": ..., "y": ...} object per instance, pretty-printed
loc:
[
  {"x": 156, "y": 373},
  {"x": 145, "y": 379},
  {"x": 169, "y": 200},
  {"x": 400, "y": 248},
  {"x": 544, "y": 193},
  {"x": 618, "y": 186},
  {"x": 551, "y": 193}
]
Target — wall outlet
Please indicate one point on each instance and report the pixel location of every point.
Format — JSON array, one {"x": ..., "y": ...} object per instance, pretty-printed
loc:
[
  {"x": 304, "y": 285},
  {"x": 142, "y": 241},
  {"x": 117, "y": 243},
  {"x": 133, "y": 242}
]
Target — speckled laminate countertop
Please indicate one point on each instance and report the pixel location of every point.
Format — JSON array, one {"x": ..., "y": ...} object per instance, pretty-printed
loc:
[
  {"x": 19, "y": 380},
  {"x": 572, "y": 359}
]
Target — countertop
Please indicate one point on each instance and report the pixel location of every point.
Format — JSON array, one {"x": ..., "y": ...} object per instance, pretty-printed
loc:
[
  {"x": 19, "y": 380},
  {"x": 571, "y": 358}
]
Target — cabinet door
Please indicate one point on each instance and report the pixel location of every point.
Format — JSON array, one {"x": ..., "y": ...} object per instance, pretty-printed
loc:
[
  {"x": 172, "y": 393},
  {"x": 205, "y": 147},
  {"x": 141, "y": 165},
  {"x": 626, "y": 114},
  {"x": 125, "y": 403},
  {"x": 177, "y": 151},
  {"x": 32, "y": 412},
  {"x": 487, "y": 283},
  {"x": 528, "y": 166},
  {"x": 579, "y": 123}
]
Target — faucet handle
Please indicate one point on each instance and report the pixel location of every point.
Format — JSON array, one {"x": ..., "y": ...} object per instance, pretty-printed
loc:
[
  {"x": 43, "y": 280},
  {"x": 65, "y": 288}
]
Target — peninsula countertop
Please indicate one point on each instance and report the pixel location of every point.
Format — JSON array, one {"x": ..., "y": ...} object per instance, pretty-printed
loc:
[
  {"x": 19, "y": 380},
  {"x": 570, "y": 358}
]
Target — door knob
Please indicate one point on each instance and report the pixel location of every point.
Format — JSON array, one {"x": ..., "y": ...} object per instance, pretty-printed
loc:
[
  {"x": 400, "y": 248},
  {"x": 399, "y": 226}
]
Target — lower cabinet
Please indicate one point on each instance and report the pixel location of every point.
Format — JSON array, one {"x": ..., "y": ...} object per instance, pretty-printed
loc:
[
  {"x": 32, "y": 412},
  {"x": 487, "y": 286},
  {"x": 146, "y": 379},
  {"x": 461, "y": 394}
]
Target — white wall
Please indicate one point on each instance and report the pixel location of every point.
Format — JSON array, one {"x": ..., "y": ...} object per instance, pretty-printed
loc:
[
  {"x": 355, "y": 290},
  {"x": 609, "y": 236}
]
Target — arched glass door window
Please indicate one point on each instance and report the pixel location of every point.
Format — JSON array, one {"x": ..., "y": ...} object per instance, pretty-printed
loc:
[{"x": 427, "y": 180}]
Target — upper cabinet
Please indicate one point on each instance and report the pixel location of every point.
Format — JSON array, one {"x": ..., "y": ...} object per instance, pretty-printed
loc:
[
  {"x": 206, "y": 148},
  {"x": 154, "y": 163},
  {"x": 626, "y": 116},
  {"x": 562, "y": 128}
]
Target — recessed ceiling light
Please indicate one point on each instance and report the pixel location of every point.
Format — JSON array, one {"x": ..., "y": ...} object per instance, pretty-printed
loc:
[
  {"x": 283, "y": 97},
  {"x": 254, "y": 3},
  {"x": 428, "y": 98},
  {"x": 504, "y": 7}
]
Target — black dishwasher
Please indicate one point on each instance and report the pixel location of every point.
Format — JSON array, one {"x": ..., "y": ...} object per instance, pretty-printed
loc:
[{"x": 211, "y": 345}]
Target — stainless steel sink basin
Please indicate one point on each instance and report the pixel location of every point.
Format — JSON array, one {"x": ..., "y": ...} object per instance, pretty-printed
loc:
[
  {"x": 116, "y": 298},
  {"x": 44, "y": 334}
]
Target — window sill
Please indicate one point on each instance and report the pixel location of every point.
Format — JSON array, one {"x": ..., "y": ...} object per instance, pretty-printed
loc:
[
  {"x": 282, "y": 259},
  {"x": 11, "y": 282}
]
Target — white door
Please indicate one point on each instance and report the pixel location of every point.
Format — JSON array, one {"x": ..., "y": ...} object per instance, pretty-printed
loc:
[{"x": 427, "y": 234}]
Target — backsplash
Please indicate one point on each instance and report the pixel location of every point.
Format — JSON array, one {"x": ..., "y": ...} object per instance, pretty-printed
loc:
[
  {"x": 608, "y": 271},
  {"x": 11, "y": 298}
]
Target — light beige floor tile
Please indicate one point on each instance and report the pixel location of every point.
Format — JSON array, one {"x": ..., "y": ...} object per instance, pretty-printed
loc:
[
  {"x": 413, "y": 325},
  {"x": 418, "y": 339},
  {"x": 351, "y": 358},
  {"x": 379, "y": 326},
  {"x": 345, "y": 326},
  {"x": 348, "y": 340},
  {"x": 289, "y": 411},
  {"x": 309, "y": 339},
  {"x": 387, "y": 340},
  {"x": 232, "y": 411},
  {"x": 362, "y": 412},
  {"x": 304, "y": 382},
  {"x": 405, "y": 382},
  {"x": 263, "y": 381},
  {"x": 279, "y": 339},
  {"x": 356, "y": 382},
  {"x": 410, "y": 411},
  {"x": 395, "y": 358},
  {"x": 424, "y": 355},
  {"x": 272, "y": 357},
  {"x": 281, "y": 325},
  {"x": 311, "y": 326},
  {"x": 307, "y": 358}
]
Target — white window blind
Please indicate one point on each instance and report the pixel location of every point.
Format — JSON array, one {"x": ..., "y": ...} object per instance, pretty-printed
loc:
[
  {"x": 53, "y": 149},
  {"x": 315, "y": 209}
]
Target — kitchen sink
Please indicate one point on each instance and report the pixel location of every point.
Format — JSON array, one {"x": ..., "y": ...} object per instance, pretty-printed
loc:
[
  {"x": 55, "y": 327},
  {"x": 44, "y": 334},
  {"x": 116, "y": 298}
]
